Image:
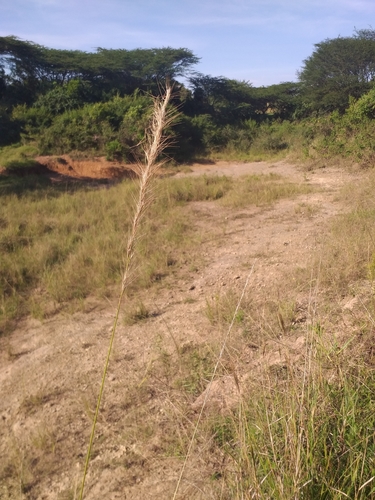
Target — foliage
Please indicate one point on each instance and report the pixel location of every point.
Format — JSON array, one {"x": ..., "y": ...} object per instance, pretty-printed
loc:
[
  {"x": 114, "y": 150},
  {"x": 10, "y": 129},
  {"x": 363, "y": 108},
  {"x": 343, "y": 136},
  {"x": 60, "y": 98},
  {"x": 227, "y": 101},
  {"x": 17, "y": 153},
  {"x": 278, "y": 101},
  {"x": 32, "y": 70},
  {"x": 114, "y": 128},
  {"x": 337, "y": 69},
  {"x": 76, "y": 101}
]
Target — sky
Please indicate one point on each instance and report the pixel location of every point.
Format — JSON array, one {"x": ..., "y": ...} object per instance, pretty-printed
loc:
[{"x": 263, "y": 42}]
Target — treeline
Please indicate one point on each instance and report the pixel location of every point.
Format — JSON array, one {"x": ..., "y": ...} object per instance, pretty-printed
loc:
[{"x": 64, "y": 100}]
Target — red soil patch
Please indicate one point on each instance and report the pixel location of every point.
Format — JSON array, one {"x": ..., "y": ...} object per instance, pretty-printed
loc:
[{"x": 96, "y": 168}]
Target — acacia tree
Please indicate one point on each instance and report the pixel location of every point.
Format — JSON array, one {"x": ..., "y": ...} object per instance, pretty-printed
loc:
[
  {"x": 226, "y": 100},
  {"x": 339, "y": 68},
  {"x": 37, "y": 68}
]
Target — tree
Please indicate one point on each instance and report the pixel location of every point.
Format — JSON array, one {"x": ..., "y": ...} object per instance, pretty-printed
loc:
[
  {"x": 277, "y": 101},
  {"x": 339, "y": 68},
  {"x": 226, "y": 100},
  {"x": 33, "y": 69}
]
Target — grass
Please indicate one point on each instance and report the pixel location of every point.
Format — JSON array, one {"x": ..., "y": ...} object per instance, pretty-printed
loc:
[
  {"x": 52, "y": 242},
  {"x": 17, "y": 154},
  {"x": 304, "y": 427},
  {"x": 307, "y": 431},
  {"x": 59, "y": 244},
  {"x": 262, "y": 190},
  {"x": 136, "y": 314},
  {"x": 221, "y": 308},
  {"x": 348, "y": 252},
  {"x": 308, "y": 436}
]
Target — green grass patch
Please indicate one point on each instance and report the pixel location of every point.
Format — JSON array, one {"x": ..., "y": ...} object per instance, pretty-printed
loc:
[{"x": 17, "y": 155}]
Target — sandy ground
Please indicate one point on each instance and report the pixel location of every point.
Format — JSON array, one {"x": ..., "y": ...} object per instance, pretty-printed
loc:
[{"x": 50, "y": 371}]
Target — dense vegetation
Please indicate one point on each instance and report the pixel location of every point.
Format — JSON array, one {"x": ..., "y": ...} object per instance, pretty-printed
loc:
[
  {"x": 64, "y": 101},
  {"x": 299, "y": 431}
]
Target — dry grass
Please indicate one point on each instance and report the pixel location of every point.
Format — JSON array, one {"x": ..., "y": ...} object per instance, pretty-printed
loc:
[
  {"x": 155, "y": 143},
  {"x": 61, "y": 244},
  {"x": 304, "y": 425},
  {"x": 348, "y": 251},
  {"x": 263, "y": 190}
]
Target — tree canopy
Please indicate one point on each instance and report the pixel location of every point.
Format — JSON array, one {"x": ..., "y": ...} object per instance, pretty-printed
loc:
[
  {"x": 35, "y": 67},
  {"x": 339, "y": 68},
  {"x": 225, "y": 99}
]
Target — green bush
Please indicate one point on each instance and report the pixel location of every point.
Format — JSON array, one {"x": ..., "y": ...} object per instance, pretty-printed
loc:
[
  {"x": 120, "y": 121},
  {"x": 363, "y": 108},
  {"x": 115, "y": 151}
]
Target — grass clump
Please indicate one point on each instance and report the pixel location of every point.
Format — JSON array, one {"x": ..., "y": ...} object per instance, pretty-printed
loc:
[
  {"x": 309, "y": 435},
  {"x": 221, "y": 308},
  {"x": 262, "y": 190},
  {"x": 348, "y": 252},
  {"x": 138, "y": 313},
  {"x": 195, "y": 368},
  {"x": 203, "y": 188}
]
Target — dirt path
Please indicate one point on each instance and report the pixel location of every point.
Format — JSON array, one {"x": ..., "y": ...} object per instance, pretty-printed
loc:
[{"x": 50, "y": 371}]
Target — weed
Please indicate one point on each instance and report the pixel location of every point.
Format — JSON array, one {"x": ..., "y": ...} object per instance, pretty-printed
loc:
[
  {"x": 139, "y": 313},
  {"x": 155, "y": 144},
  {"x": 221, "y": 309},
  {"x": 195, "y": 369},
  {"x": 189, "y": 300},
  {"x": 44, "y": 439},
  {"x": 30, "y": 403},
  {"x": 306, "y": 209}
]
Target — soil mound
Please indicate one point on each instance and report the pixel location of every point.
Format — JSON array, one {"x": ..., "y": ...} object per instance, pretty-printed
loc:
[{"x": 95, "y": 168}]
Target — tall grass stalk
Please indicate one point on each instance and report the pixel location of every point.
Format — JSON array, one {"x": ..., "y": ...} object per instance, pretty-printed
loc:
[{"x": 155, "y": 143}]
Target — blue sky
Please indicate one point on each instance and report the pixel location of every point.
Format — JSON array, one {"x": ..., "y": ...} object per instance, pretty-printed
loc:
[{"x": 260, "y": 41}]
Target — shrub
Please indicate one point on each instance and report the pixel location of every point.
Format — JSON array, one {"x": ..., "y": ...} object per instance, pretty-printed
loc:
[{"x": 115, "y": 151}]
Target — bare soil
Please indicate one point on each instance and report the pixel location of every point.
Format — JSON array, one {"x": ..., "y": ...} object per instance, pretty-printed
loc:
[
  {"x": 84, "y": 169},
  {"x": 50, "y": 371}
]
